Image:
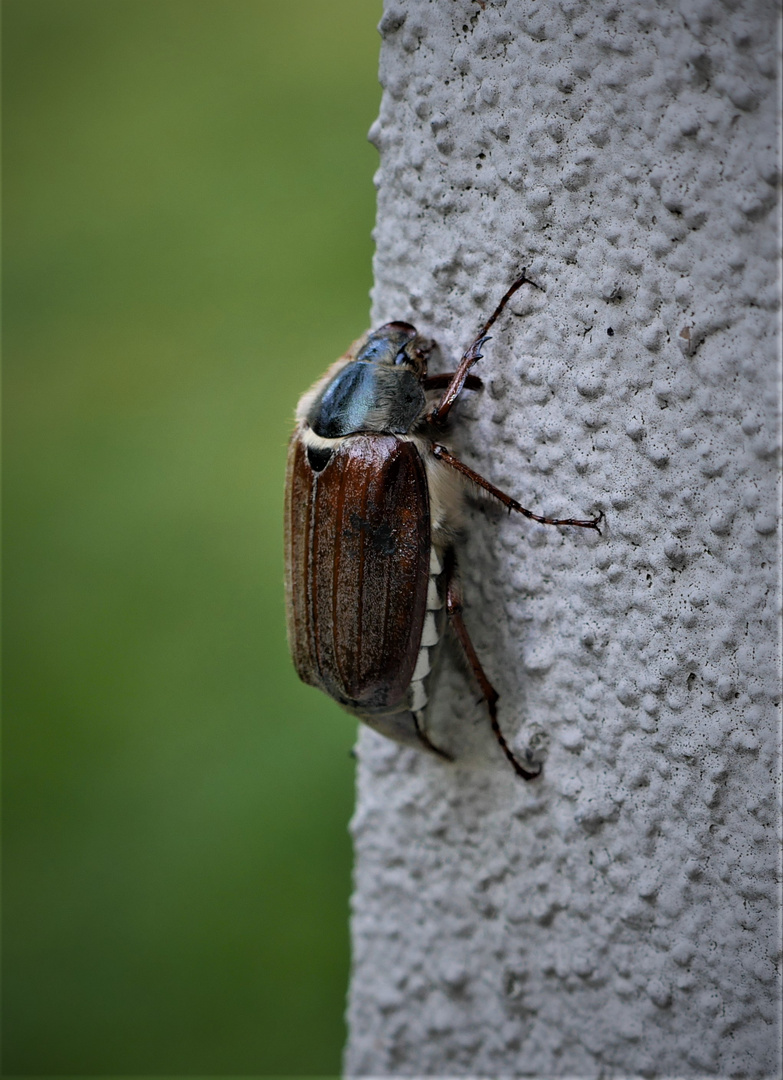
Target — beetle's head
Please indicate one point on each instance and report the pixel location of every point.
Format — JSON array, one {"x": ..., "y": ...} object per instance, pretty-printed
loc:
[
  {"x": 379, "y": 389},
  {"x": 395, "y": 344}
]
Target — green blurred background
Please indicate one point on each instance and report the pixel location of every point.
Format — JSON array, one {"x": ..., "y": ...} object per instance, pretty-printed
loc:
[{"x": 187, "y": 208}]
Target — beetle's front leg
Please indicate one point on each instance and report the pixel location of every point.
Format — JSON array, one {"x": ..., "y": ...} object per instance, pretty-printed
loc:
[
  {"x": 444, "y": 455},
  {"x": 473, "y": 353},
  {"x": 490, "y": 695}
]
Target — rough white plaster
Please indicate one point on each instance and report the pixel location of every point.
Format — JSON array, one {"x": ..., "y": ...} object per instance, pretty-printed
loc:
[{"x": 619, "y": 916}]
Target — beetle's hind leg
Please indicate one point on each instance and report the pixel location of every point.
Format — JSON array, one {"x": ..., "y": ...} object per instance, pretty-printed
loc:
[
  {"x": 454, "y": 611},
  {"x": 418, "y": 720},
  {"x": 442, "y": 454}
]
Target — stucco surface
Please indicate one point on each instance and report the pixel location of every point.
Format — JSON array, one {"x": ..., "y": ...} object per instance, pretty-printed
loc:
[{"x": 618, "y": 916}]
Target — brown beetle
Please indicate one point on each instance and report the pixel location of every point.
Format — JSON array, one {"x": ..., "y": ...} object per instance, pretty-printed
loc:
[{"x": 373, "y": 509}]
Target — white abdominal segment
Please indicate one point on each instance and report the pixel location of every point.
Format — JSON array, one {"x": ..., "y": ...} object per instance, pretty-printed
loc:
[
  {"x": 446, "y": 491},
  {"x": 429, "y": 639}
]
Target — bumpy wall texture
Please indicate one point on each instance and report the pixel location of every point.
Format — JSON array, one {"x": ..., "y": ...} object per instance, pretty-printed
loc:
[{"x": 618, "y": 915}]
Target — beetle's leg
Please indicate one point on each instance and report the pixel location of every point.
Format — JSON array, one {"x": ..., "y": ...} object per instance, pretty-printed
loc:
[
  {"x": 472, "y": 354},
  {"x": 442, "y": 454},
  {"x": 425, "y": 739},
  {"x": 440, "y": 382},
  {"x": 454, "y": 610}
]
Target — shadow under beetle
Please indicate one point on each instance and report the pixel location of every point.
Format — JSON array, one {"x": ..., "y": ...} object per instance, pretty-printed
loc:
[{"x": 373, "y": 510}]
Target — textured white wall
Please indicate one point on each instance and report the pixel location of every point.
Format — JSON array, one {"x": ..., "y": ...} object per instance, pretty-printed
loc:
[{"x": 619, "y": 915}]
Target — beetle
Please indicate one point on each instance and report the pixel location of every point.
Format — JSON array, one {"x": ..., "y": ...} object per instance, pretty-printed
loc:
[{"x": 373, "y": 511}]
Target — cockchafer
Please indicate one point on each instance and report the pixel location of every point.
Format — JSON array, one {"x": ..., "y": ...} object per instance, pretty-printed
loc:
[{"x": 374, "y": 503}]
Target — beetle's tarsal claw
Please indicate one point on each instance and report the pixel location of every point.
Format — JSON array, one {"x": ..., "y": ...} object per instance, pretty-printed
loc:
[
  {"x": 537, "y": 748},
  {"x": 474, "y": 352}
]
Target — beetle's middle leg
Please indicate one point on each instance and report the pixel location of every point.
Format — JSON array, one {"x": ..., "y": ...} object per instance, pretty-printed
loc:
[
  {"x": 490, "y": 695},
  {"x": 442, "y": 381},
  {"x": 442, "y": 454}
]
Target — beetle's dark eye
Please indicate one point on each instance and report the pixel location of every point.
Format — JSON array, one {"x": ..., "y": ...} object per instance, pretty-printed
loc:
[{"x": 318, "y": 458}]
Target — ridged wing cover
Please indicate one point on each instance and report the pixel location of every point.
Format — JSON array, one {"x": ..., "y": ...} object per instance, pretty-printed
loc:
[{"x": 357, "y": 549}]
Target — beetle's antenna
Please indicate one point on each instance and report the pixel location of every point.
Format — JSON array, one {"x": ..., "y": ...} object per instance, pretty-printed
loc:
[{"x": 473, "y": 353}]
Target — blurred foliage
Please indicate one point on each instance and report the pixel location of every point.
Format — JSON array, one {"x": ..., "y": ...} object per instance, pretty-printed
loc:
[{"x": 188, "y": 205}]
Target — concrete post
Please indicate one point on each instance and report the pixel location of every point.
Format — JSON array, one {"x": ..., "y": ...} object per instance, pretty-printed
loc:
[{"x": 618, "y": 916}]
